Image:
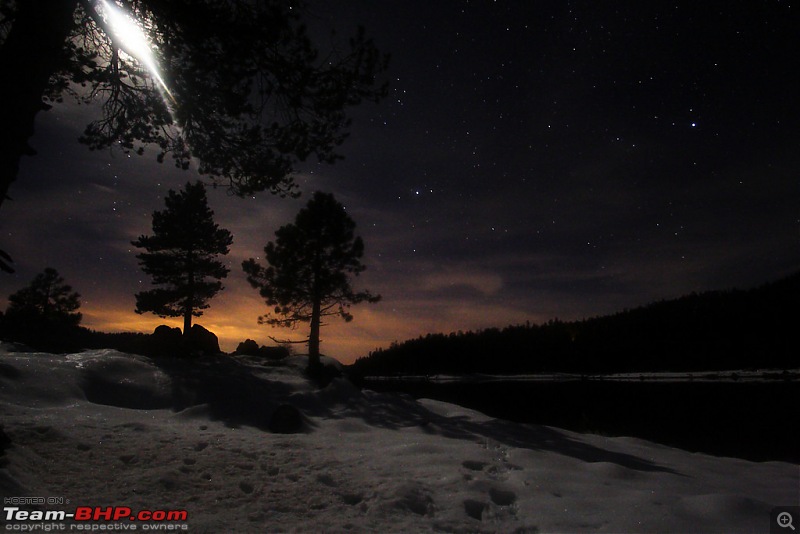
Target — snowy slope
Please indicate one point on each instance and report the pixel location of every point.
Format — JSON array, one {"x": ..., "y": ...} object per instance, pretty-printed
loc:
[{"x": 103, "y": 428}]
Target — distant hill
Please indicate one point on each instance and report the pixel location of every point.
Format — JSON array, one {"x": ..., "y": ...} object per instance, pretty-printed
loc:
[{"x": 717, "y": 330}]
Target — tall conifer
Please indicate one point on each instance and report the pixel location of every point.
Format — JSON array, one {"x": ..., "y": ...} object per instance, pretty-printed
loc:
[{"x": 181, "y": 257}]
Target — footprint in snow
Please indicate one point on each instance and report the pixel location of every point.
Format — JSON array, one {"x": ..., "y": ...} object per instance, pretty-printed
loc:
[
  {"x": 475, "y": 509},
  {"x": 327, "y": 480},
  {"x": 502, "y": 497},
  {"x": 352, "y": 499},
  {"x": 500, "y": 505},
  {"x": 473, "y": 465}
]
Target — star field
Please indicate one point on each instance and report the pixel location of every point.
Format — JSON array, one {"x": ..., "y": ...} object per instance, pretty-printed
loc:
[{"x": 532, "y": 160}]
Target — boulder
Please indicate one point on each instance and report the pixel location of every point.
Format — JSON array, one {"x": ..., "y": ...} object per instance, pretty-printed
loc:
[
  {"x": 165, "y": 341},
  {"x": 203, "y": 340},
  {"x": 248, "y": 347},
  {"x": 166, "y": 334},
  {"x": 274, "y": 353}
]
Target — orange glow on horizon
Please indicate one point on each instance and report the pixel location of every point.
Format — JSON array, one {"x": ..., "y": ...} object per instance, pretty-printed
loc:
[
  {"x": 402, "y": 314},
  {"x": 233, "y": 318},
  {"x": 344, "y": 341}
]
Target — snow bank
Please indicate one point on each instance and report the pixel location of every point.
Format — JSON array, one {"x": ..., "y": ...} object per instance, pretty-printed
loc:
[{"x": 103, "y": 428}]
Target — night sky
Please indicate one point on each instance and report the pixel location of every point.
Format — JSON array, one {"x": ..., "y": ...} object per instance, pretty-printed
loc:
[{"x": 533, "y": 160}]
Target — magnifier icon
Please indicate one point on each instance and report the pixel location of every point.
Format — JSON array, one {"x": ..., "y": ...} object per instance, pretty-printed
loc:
[{"x": 785, "y": 520}]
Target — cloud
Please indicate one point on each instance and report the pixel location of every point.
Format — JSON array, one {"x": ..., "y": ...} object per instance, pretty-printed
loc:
[{"x": 486, "y": 284}]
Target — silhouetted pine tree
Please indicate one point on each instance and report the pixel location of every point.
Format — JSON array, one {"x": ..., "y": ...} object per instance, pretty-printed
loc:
[
  {"x": 310, "y": 265},
  {"x": 48, "y": 298},
  {"x": 43, "y": 315},
  {"x": 181, "y": 257}
]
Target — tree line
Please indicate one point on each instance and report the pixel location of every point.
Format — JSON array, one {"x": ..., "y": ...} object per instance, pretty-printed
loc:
[
  {"x": 308, "y": 274},
  {"x": 719, "y": 330}
]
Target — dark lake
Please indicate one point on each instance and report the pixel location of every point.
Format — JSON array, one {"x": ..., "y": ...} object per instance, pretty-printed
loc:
[{"x": 755, "y": 420}]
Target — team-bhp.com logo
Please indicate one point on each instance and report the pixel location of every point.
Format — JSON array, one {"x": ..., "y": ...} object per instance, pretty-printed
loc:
[{"x": 119, "y": 514}]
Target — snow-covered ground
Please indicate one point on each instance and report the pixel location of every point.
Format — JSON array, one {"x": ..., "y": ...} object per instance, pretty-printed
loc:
[{"x": 103, "y": 429}]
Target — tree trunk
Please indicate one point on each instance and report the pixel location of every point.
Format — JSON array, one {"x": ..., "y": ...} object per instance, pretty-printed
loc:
[
  {"x": 313, "y": 338},
  {"x": 187, "y": 321},
  {"x": 33, "y": 51},
  {"x": 189, "y": 304}
]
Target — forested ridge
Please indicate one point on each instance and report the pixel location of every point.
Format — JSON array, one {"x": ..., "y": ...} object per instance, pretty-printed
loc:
[{"x": 715, "y": 330}]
